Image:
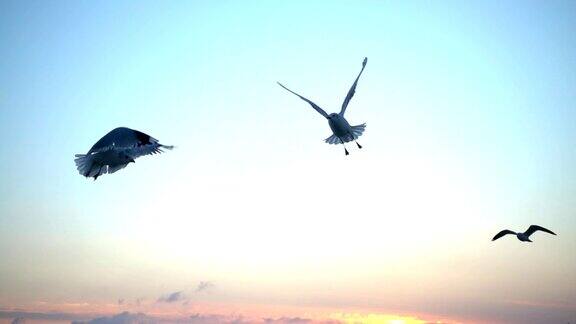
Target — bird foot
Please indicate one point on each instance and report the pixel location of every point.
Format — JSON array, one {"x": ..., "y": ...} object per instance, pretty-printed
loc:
[
  {"x": 359, "y": 146},
  {"x": 346, "y": 151}
]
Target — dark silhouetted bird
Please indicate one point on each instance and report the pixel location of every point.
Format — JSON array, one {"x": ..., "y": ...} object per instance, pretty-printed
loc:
[
  {"x": 341, "y": 129},
  {"x": 524, "y": 237},
  {"x": 115, "y": 150}
]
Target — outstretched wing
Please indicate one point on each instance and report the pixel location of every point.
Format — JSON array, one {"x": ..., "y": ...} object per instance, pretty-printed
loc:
[
  {"x": 315, "y": 106},
  {"x": 120, "y": 138},
  {"x": 534, "y": 228},
  {"x": 109, "y": 140},
  {"x": 502, "y": 233},
  {"x": 352, "y": 89},
  {"x": 130, "y": 141}
]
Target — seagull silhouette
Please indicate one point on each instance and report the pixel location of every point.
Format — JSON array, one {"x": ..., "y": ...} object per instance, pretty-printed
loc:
[
  {"x": 342, "y": 131},
  {"x": 115, "y": 150},
  {"x": 524, "y": 237}
]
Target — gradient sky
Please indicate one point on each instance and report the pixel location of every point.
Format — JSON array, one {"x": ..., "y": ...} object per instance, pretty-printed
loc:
[{"x": 470, "y": 129}]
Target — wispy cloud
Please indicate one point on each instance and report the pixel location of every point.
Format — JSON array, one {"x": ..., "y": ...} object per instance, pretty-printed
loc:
[
  {"x": 204, "y": 286},
  {"x": 46, "y": 316},
  {"x": 180, "y": 296},
  {"x": 172, "y": 297},
  {"x": 122, "y": 318},
  {"x": 215, "y": 318}
]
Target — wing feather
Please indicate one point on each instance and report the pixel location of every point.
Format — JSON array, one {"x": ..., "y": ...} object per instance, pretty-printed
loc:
[
  {"x": 315, "y": 106},
  {"x": 352, "y": 89},
  {"x": 146, "y": 149},
  {"x": 534, "y": 228},
  {"x": 502, "y": 233}
]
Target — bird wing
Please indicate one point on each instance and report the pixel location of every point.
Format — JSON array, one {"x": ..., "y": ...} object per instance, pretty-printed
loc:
[
  {"x": 120, "y": 137},
  {"x": 315, "y": 106},
  {"x": 502, "y": 233},
  {"x": 153, "y": 147},
  {"x": 107, "y": 141},
  {"x": 133, "y": 142},
  {"x": 534, "y": 228},
  {"x": 352, "y": 89}
]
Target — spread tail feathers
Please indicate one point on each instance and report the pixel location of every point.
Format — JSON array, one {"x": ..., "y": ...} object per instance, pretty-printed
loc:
[
  {"x": 356, "y": 132},
  {"x": 83, "y": 164},
  {"x": 89, "y": 169}
]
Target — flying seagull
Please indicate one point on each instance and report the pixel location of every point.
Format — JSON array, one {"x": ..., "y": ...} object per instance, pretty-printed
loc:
[
  {"x": 342, "y": 131},
  {"x": 524, "y": 237},
  {"x": 115, "y": 150}
]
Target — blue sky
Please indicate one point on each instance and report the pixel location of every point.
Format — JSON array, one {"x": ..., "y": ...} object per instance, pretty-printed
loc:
[{"x": 470, "y": 129}]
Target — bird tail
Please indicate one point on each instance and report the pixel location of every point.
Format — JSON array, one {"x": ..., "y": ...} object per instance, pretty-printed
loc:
[
  {"x": 83, "y": 164},
  {"x": 356, "y": 132},
  {"x": 332, "y": 140}
]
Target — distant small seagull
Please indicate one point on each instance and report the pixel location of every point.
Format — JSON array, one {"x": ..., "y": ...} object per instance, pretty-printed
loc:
[
  {"x": 115, "y": 150},
  {"x": 524, "y": 237},
  {"x": 342, "y": 131}
]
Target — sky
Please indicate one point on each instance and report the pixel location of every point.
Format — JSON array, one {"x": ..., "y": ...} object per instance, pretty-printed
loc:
[{"x": 252, "y": 217}]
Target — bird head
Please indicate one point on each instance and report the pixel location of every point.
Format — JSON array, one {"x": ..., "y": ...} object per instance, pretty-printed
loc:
[{"x": 333, "y": 115}]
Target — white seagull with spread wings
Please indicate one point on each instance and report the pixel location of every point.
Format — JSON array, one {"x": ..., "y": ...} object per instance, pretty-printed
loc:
[
  {"x": 115, "y": 150},
  {"x": 524, "y": 237},
  {"x": 342, "y": 131}
]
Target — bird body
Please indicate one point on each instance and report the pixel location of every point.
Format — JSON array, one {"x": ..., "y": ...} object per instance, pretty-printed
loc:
[
  {"x": 111, "y": 157},
  {"x": 115, "y": 150},
  {"x": 342, "y": 132},
  {"x": 339, "y": 125},
  {"x": 524, "y": 237}
]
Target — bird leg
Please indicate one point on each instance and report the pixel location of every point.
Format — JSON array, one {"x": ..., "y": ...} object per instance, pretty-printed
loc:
[
  {"x": 354, "y": 138},
  {"x": 345, "y": 150}
]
